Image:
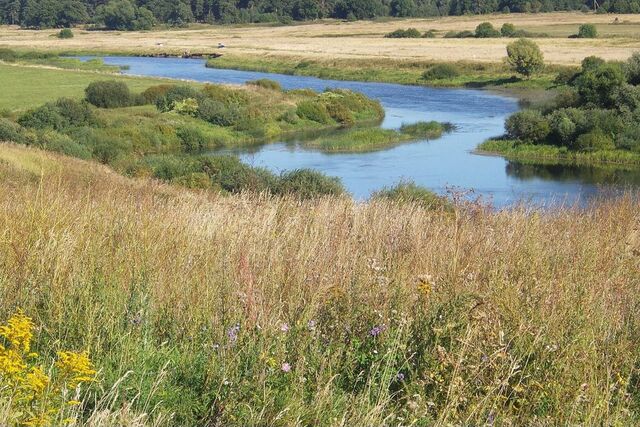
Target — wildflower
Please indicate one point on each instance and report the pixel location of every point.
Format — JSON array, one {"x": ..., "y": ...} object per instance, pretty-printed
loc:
[
  {"x": 400, "y": 376},
  {"x": 286, "y": 367},
  {"x": 377, "y": 330},
  {"x": 75, "y": 368},
  {"x": 284, "y": 327},
  {"x": 232, "y": 333},
  {"x": 36, "y": 382},
  {"x": 311, "y": 325},
  {"x": 426, "y": 283},
  {"x": 18, "y": 332}
]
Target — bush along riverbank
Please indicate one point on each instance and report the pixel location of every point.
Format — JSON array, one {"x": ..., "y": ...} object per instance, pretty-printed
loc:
[
  {"x": 596, "y": 119},
  {"x": 164, "y": 131}
]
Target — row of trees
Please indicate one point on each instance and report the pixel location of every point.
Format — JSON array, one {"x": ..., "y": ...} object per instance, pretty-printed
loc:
[{"x": 138, "y": 14}]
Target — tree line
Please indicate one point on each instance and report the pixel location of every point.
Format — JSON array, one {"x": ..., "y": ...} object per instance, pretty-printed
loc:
[{"x": 143, "y": 14}]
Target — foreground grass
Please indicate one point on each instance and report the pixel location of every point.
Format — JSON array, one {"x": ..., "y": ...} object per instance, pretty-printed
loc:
[
  {"x": 529, "y": 152},
  {"x": 249, "y": 310}
]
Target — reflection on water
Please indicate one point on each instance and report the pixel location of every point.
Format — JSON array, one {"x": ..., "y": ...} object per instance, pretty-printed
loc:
[{"x": 439, "y": 165}]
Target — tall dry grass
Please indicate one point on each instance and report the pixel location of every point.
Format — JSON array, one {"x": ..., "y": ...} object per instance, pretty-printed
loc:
[{"x": 514, "y": 317}]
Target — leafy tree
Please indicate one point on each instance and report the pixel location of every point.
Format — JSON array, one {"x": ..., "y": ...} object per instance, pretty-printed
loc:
[
  {"x": 525, "y": 57},
  {"x": 508, "y": 30},
  {"x": 528, "y": 126},
  {"x": 632, "y": 69},
  {"x": 486, "y": 30},
  {"x": 587, "y": 31},
  {"x": 306, "y": 10},
  {"x": 403, "y": 8},
  {"x": 600, "y": 85},
  {"x": 123, "y": 15}
]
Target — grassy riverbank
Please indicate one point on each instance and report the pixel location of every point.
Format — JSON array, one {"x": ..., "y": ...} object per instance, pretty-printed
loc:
[
  {"x": 372, "y": 139},
  {"x": 516, "y": 150},
  {"x": 469, "y": 74},
  {"x": 200, "y": 309}
]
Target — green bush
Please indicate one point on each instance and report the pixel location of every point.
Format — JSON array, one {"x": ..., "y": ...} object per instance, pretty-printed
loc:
[
  {"x": 313, "y": 110},
  {"x": 230, "y": 174},
  {"x": 587, "y": 31},
  {"x": 266, "y": 84},
  {"x": 153, "y": 93},
  {"x": 308, "y": 184},
  {"x": 508, "y": 30},
  {"x": 591, "y": 63},
  {"x": 340, "y": 113},
  {"x": 441, "y": 72},
  {"x": 10, "y": 131},
  {"x": 175, "y": 94},
  {"x": 65, "y": 33},
  {"x": 486, "y": 30},
  {"x": 192, "y": 139},
  {"x": 8, "y": 55},
  {"x": 595, "y": 140},
  {"x": 77, "y": 113},
  {"x": 226, "y": 95},
  {"x": 108, "y": 94},
  {"x": 43, "y": 117},
  {"x": 409, "y": 192},
  {"x": 219, "y": 113},
  {"x": 459, "y": 34},
  {"x": 525, "y": 57},
  {"x": 430, "y": 34},
  {"x": 63, "y": 144},
  {"x": 429, "y": 130},
  {"x": 632, "y": 69},
  {"x": 410, "y": 33},
  {"x": 599, "y": 86},
  {"x": 528, "y": 126}
]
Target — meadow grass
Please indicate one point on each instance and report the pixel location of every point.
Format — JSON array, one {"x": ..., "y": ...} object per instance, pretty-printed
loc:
[
  {"x": 30, "y": 86},
  {"x": 200, "y": 309}
]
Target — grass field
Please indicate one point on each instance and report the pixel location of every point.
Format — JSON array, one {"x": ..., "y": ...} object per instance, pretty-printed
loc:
[
  {"x": 249, "y": 310},
  {"x": 24, "y": 87},
  {"x": 334, "y": 40}
]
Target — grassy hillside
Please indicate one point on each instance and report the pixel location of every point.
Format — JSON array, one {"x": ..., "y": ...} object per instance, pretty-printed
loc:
[{"x": 200, "y": 309}]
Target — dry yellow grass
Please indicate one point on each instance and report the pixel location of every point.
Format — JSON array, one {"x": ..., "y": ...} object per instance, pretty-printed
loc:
[
  {"x": 517, "y": 316},
  {"x": 331, "y": 39}
]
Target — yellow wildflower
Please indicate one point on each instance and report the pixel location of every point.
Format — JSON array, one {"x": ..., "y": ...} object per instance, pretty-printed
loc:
[
  {"x": 18, "y": 332},
  {"x": 75, "y": 368},
  {"x": 36, "y": 381},
  {"x": 425, "y": 284}
]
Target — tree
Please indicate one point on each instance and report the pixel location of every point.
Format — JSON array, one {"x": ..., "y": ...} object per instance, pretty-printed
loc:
[
  {"x": 525, "y": 57},
  {"x": 305, "y": 10},
  {"x": 600, "y": 86},
  {"x": 587, "y": 31},
  {"x": 124, "y": 15},
  {"x": 486, "y": 30},
  {"x": 508, "y": 30},
  {"x": 403, "y": 8}
]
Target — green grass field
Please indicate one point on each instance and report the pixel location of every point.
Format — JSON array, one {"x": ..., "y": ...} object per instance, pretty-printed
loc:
[{"x": 25, "y": 87}]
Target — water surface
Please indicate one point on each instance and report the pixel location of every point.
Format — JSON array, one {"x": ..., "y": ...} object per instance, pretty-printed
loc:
[{"x": 441, "y": 165}]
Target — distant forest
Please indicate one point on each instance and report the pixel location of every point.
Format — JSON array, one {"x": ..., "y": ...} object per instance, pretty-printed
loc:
[{"x": 143, "y": 14}]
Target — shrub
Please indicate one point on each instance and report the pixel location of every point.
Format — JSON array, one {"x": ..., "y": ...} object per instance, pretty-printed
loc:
[
  {"x": 192, "y": 139},
  {"x": 77, "y": 113},
  {"x": 459, "y": 34},
  {"x": 340, "y": 113},
  {"x": 599, "y": 86},
  {"x": 175, "y": 94},
  {"x": 187, "y": 107},
  {"x": 308, "y": 184},
  {"x": 430, "y": 34},
  {"x": 65, "y": 33},
  {"x": 441, "y": 72},
  {"x": 525, "y": 57},
  {"x": 528, "y": 126},
  {"x": 508, "y": 30},
  {"x": 219, "y": 113},
  {"x": 8, "y": 55},
  {"x": 233, "y": 176},
  {"x": 430, "y": 129},
  {"x": 632, "y": 69},
  {"x": 108, "y": 94},
  {"x": 587, "y": 31},
  {"x": 313, "y": 110},
  {"x": 566, "y": 76},
  {"x": 266, "y": 84},
  {"x": 10, "y": 131},
  {"x": 226, "y": 95},
  {"x": 595, "y": 140},
  {"x": 43, "y": 117},
  {"x": 486, "y": 30},
  {"x": 60, "y": 143},
  {"x": 409, "y": 192},
  {"x": 410, "y": 33},
  {"x": 591, "y": 63},
  {"x": 153, "y": 93}
]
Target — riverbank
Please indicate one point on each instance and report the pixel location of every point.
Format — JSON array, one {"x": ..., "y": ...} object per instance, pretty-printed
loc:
[{"x": 544, "y": 154}]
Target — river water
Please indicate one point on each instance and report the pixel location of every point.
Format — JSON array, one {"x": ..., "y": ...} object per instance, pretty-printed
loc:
[{"x": 446, "y": 164}]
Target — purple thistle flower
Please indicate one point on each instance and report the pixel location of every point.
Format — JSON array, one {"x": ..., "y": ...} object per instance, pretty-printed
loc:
[
  {"x": 286, "y": 367},
  {"x": 284, "y": 327},
  {"x": 400, "y": 376}
]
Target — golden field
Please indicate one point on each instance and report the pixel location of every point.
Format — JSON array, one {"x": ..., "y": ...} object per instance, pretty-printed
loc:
[{"x": 340, "y": 40}]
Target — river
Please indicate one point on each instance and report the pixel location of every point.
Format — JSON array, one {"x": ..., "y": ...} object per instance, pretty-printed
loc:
[{"x": 443, "y": 165}]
